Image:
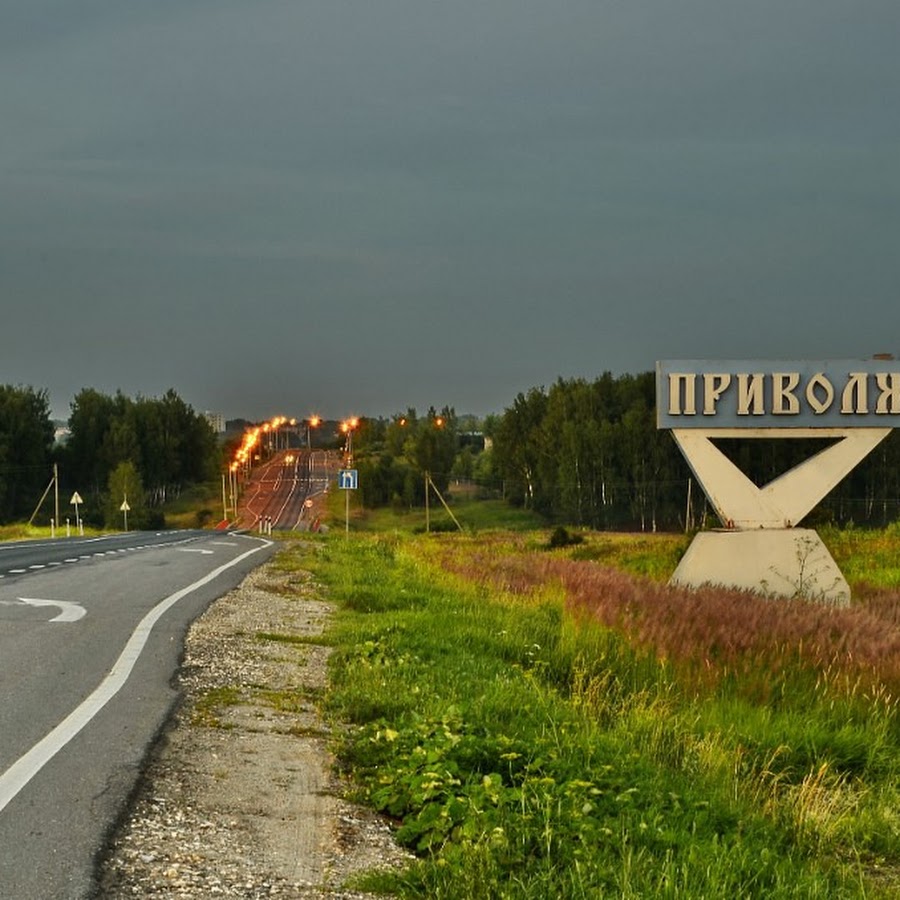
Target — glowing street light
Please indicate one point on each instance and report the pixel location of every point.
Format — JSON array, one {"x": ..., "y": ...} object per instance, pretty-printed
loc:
[
  {"x": 273, "y": 426},
  {"x": 348, "y": 426},
  {"x": 311, "y": 422}
]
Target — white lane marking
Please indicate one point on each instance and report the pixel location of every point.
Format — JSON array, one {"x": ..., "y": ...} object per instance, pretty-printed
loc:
[
  {"x": 29, "y": 764},
  {"x": 38, "y": 566},
  {"x": 70, "y": 612},
  {"x": 17, "y": 571},
  {"x": 196, "y": 550}
]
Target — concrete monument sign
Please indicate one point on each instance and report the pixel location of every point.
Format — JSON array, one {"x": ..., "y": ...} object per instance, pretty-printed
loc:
[{"x": 854, "y": 402}]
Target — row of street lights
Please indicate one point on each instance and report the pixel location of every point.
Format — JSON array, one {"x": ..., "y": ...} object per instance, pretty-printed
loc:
[
  {"x": 268, "y": 433},
  {"x": 255, "y": 440}
]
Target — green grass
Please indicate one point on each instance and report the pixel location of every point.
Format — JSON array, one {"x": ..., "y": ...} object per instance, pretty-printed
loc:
[
  {"x": 303, "y": 640},
  {"x": 23, "y": 532},
  {"x": 524, "y": 753},
  {"x": 867, "y": 558},
  {"x": 197, "y": 506},
  {"x": 472, "y": 515},
  {"x": 207, "y": 711},
  {"x": 652, "y": 555}
]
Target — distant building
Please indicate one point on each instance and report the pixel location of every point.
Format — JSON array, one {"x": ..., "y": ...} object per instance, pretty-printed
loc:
[
  {"x": 216, "y": 421},
  {"x": 474, "y": 439}
]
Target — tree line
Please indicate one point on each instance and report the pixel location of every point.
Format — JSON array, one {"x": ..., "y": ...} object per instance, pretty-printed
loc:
[
  {"x": 581, "y": 452},
  {"x": 145, "y": 449},
  {"x": 395, "y": 455},
  {"x": 589, "y": 453}
]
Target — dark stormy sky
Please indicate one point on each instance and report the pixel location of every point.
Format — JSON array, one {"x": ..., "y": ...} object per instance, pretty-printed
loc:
[{"x": 355, "y": 206}]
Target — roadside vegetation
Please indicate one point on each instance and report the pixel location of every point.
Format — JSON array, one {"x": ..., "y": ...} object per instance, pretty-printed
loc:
[
  {"x": 146, "y": 451},
  {"x": 588, "y": 454},
  {"x": 514, "y": 685},
  {"x": 555, "y": 722}
]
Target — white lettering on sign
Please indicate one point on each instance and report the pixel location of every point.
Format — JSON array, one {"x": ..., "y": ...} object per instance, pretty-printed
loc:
[
  {"x": 819, "y": 401},
  {"x": 856, "y": 388},
  {"x": 751, "y": 399},
  {"x": 676, "y": 383},
  {"x": 784, "y": 402},
  {"x": 808, "y": 395},
  {"x": 714, "y": 385},
  {"x": 889, "y": 400}
]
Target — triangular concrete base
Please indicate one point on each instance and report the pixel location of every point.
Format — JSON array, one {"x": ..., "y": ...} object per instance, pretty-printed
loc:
[{"x": 791, "y": 562}]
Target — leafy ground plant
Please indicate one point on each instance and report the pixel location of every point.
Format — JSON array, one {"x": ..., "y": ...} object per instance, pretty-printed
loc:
[{"x": 527, "y": 745}]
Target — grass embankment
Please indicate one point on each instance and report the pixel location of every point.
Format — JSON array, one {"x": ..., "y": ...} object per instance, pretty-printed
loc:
[
  {"x": 22, "y": 532},
  {"x": 542, "y": 725},
  {"x": 471, "y": 514},
  {"x": 198, "y": 506}
]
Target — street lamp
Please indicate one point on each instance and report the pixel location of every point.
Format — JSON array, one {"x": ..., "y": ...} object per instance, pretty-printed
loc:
[
  {"x": 311, "y": 422},
  {"x": 348, "y": 427},
  {"x": 233, "y": 487},
  {"x": 273, "y": 427}
]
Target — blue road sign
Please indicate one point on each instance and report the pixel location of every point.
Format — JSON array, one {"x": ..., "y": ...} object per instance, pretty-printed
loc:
[{"x": 348, "y": 479}]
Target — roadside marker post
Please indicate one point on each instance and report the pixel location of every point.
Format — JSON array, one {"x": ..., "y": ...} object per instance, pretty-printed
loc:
[{"x": 75, "y": 501}]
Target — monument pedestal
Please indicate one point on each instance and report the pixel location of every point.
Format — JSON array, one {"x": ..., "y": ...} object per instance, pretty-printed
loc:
[{"x": 786, "y": 563}]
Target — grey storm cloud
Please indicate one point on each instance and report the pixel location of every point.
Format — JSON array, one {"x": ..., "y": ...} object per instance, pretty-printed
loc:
[{"x": 361, "y": 206}]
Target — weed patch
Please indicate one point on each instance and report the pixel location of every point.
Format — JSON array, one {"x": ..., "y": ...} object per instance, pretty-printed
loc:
[
  {"x": 307, "y": 640},
  {"x": 207, "y": 709}
]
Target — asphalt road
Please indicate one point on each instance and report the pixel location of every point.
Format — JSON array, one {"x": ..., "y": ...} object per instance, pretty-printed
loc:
[
  {"x": 91, "y": 633},
  {"x": 281, "y": 492}
]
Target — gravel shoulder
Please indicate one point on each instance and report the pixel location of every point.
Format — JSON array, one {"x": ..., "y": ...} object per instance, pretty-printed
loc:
[{"x": 239, "y": 797}]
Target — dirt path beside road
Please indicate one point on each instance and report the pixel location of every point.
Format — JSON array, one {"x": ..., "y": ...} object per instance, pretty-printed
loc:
[{"x": 239, "y": 799}]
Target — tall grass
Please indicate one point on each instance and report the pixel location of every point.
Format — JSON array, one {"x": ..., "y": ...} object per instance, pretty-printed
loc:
[
  {"x": 543, "y": 727},
  {"x": 712, "y": 635},
  {"x": 869, "y": 559},
  {"x": 471, "y": 514}
]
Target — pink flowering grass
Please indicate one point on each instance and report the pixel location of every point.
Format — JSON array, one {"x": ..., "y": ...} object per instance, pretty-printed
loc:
[{"x": 711, "y": 637}]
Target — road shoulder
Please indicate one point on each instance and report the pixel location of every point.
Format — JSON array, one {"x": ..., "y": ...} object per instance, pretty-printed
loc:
[{"x": 239, "y": 798}]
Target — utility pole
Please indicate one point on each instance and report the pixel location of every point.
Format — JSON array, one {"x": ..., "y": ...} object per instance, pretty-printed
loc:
[
  {"x": 440, "y": 496},
  {"x": 53, "y": 481}
]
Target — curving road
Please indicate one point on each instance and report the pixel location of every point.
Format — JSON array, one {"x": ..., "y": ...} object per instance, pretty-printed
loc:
[{"x": 91, "y": 634}]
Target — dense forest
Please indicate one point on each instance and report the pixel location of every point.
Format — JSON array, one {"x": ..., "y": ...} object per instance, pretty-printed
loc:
[
  {"x": 145, "y": 450},
  {"x": 26, "y": 449}
]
